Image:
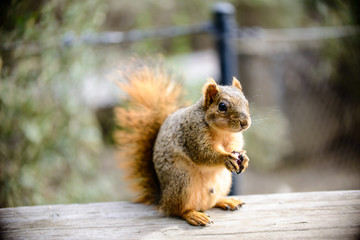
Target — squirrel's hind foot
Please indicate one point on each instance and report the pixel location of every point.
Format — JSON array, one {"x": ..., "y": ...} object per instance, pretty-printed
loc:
[
  {"x": 197, "y": 218},
  {"x": 229, "y": 203}
]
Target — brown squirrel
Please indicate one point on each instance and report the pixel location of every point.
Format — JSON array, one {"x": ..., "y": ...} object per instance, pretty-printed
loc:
[{"x": 181, "y": 160}]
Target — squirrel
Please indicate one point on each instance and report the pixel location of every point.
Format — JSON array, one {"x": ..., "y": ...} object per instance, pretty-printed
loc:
[{"x": 181, "y": 158}]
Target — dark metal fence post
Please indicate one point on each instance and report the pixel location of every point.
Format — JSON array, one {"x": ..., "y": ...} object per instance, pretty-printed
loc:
[{"x": 225, "y": 35}]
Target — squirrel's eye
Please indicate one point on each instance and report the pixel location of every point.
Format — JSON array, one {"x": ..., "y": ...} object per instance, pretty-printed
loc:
[{"x": 222, "y": 107}]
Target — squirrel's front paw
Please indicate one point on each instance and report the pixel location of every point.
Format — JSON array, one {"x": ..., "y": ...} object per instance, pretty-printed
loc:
[
  {"x": 237, "y": 162},
  {"x": 232, "y": 165}
]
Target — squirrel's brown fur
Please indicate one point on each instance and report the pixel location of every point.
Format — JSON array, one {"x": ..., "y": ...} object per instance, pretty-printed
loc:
[{"x": 182, "y": 159}]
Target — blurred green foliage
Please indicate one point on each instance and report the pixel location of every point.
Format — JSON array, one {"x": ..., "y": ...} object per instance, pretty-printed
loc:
[
  {"x": 49, "y": 138},
  {"x": 342, "y": 54},
  {"x": 149, "y": 14},
  {"x": 343, "y": 57}
]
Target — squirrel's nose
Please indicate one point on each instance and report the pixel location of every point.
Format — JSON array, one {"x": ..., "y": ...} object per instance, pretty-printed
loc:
[
  {"x": 244, "y": 120},
  {"x": 244, "y": 123}
]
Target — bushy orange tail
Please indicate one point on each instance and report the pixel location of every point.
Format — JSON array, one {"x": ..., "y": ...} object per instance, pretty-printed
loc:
[{"x": 152, "y": 96}]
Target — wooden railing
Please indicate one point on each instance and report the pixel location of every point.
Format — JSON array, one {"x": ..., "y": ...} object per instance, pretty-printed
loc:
[{"x": 313, "y": 215}]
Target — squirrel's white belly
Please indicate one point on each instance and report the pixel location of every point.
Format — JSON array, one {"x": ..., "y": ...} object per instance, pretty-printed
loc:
[{"x": 208, "y": 186}]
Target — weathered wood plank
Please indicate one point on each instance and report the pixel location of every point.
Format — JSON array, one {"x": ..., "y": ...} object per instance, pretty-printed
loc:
[{"x": 315, "y": 215}]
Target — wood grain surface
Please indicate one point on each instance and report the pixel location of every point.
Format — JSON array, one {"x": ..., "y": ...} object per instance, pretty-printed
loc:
[{"x": 312, "y": 215}]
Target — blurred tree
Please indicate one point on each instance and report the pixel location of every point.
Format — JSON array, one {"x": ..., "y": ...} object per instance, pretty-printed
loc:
[
  {"x": 49, "y": 138},
  {"x": 343, "y": 56}
]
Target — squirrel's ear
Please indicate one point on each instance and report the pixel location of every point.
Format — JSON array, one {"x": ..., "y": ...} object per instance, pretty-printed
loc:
[
  {"x": 236, "y": 83},
  {"x": 210, "y": 90}
]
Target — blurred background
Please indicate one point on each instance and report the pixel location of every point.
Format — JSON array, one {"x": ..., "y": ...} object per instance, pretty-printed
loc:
[{"x": 57, "y": 95}]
